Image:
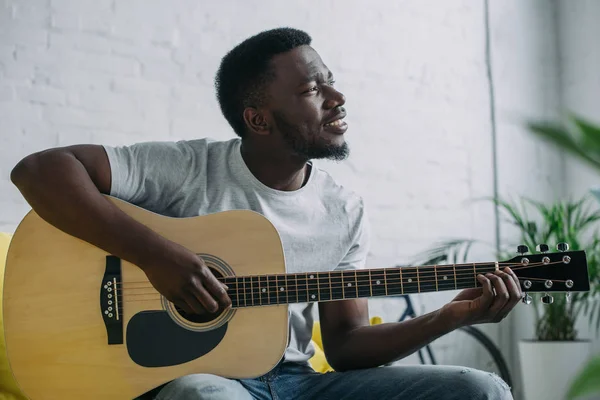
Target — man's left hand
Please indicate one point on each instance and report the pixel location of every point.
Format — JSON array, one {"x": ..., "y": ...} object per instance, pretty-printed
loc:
[{"x": 499, "y": 294}]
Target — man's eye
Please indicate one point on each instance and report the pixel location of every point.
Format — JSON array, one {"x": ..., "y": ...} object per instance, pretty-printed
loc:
[
  {"x": 331, "y": 83},
  {"x": 314, "y": 88}
]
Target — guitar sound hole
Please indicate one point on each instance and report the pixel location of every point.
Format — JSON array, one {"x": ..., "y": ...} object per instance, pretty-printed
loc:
[
  {"x": 198, "y": 318},
  {"x": 206, "y": 316}
]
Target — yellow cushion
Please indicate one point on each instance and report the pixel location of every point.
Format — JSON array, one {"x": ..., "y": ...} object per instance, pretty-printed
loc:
[
  {"x": 318, "y": 362},
  {"x": 8, "y": 387}
]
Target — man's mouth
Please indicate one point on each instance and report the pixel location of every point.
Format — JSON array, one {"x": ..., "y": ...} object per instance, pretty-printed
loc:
[{"x": 337, "y": 122}]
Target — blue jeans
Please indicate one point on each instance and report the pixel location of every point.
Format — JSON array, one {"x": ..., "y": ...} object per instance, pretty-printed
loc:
[{"x": 290, "y": 381}]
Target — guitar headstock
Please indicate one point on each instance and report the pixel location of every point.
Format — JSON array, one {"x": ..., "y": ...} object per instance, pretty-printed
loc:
[{"x": 545, "y": 272}]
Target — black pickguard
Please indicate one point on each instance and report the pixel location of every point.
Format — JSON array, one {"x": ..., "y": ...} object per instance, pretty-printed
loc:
[{"x": 155, "y": 340}]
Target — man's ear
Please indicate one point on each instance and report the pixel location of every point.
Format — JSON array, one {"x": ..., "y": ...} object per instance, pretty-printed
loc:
[{"x": 256, "y": 121}]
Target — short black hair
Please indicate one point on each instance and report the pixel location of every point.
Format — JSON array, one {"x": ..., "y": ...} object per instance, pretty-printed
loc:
[{"x": 244, "y": 72}]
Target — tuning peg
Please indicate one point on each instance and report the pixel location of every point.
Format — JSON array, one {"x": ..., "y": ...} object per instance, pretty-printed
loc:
[
  {"x": 562, "y": 246},
  {"x": 522, "y": 249},
  {"x": 526, "y": 298},
  {"x": 568, "y": 297},
  {"x": 542, "y": 248},
  {"x": 547, "y": 299}
]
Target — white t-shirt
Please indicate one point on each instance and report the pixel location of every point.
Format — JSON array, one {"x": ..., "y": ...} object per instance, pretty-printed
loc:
[{"x": 323, "y": 226}]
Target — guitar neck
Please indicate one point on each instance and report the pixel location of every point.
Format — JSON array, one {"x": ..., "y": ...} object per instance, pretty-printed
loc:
[{"x": 264, "y": 290}]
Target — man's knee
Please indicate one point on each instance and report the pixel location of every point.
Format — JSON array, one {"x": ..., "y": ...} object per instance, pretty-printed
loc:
[
  {"x": 202, "y": 387},
  {"x": 475, "y": 384}
]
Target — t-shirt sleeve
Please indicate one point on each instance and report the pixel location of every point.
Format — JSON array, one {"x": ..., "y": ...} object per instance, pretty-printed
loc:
[
  {"x": 356, "y": 257},
  {"x": 152, "y": 174}
]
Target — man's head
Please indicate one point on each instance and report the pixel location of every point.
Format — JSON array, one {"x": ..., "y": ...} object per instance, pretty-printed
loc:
[{"x": 274, "y": 88}]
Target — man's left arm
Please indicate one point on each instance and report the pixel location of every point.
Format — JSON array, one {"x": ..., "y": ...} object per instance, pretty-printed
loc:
[{"x": 351, "y": 343}]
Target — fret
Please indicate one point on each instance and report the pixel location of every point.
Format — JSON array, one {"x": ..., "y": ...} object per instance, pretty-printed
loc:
[
  {"x": 474, "y": 275},
  {"x": 247, "y": 292},
  {"x": 231, "y": 282},
  {"x": 272, "y": 289},
  {"x": 302, "y": 288},
  {"x": 337, "y": 291},
  {"x": 318, "y": 287},
  {"x": 385, "y": 280},
  {"x": 264, "y": 290},
  {"x": 291, "y": 289},
  {"x": 394, "y": 282},
  {"x": 255, "y": 290},
  {"x": 427, "y": 282},
  {"x": 364, "y": 283},
  {"x": 377, "y": 282},
  {"x": 464, "y": 277},
  {"x": 370, "y": 284},
  {"x": 283, "y": 293},
  {"x": 349, "y": 284},
  {"x": 324, "y": 287},
  {"x": 313, "y": 289},
  {"x": 409, "y": 280},
  {"x": 418, "y": 280},
  {"x": 330, "y": 289},
  {"x": 401, "y": 284},
  {"x": 356, "y": 283},
  {"x": 296, "y": 289},
  {"x": 445, "y": 278},
  {"x": 436, "y": 277},
  {"x": 455, "y": 281}
]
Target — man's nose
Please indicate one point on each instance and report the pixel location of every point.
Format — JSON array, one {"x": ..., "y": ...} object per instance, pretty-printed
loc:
[{"x": 335, "y": 99}]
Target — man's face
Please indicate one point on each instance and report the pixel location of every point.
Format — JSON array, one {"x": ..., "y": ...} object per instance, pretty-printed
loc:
[{"x": 305, "y": 108}]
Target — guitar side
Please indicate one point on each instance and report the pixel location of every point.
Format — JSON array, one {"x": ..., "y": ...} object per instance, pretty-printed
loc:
[{"x": 55, "y": 334}]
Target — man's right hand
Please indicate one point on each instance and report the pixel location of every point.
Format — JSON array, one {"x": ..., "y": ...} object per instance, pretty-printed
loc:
[
  {"x": 186, "y": 281},
  {"x": 65, "y": 186}
]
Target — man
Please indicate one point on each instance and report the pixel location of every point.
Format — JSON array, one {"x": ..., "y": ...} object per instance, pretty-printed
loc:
[{"x": 280, "y": 99}]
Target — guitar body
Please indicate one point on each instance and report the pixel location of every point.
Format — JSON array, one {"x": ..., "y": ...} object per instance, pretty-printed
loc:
[{"x": 56, "y": 324}]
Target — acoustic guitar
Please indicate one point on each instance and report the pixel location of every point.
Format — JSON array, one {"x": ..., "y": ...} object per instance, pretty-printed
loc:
[{"x": 83, "y": 324}]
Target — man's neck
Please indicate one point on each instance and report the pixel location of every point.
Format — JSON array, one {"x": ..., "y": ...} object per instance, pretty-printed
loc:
[{"x": 280, "y": 173}]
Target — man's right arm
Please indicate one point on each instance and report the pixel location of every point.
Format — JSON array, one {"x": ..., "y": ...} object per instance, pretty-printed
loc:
[{"x": 65, "y": 186}]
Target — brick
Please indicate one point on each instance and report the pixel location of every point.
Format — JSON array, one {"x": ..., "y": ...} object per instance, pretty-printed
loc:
[
  {"x": 144, "y": 53},
  {"x": 164, "y": 71},
  {"x": 23, "y": 34},
  {"x": 33, "y": 13},
  {"x": 7, "y": 93},
  {"x": 74, "y": 117},
  {"x": 113, "y": 65},
  {"x": 137, "y": 86},
  {"x": 41, "y": 95},
  {"x": 84, "y": 41}
]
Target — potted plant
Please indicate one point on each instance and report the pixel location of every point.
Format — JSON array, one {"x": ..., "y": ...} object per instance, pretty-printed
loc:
[
  {"x": 550, "y": 359},
  {"x": 581, "y": 138}
]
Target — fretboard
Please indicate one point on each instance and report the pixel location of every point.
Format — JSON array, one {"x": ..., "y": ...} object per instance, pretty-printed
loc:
[{"x": 264, "y": 290}]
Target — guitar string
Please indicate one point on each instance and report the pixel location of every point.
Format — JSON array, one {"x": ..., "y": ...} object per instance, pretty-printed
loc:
[
  {"x": 270, "y": 290},
  {"x": 361, "y": 279},
  {"x": 324, "y": 275},
  {"x": 362, "y": 273},
  {"x": 464, "y": 266}
]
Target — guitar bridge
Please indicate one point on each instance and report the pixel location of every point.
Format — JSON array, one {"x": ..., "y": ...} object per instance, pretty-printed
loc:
[{"x": 111, "y": 300}]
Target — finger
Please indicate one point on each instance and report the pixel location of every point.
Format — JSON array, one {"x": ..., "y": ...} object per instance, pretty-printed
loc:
[
  {"x": 182, "y": 304},
  {"x": 487, "y": 295},
  {"x": 196, "y": 306},
  {"x": 514, "y": 294},
  {"x": 217, "y": 289},
  {"x": 515, "y": 279},
  {"x": 207, "y": 301},
  {"x": 512, "y": 284},
  {"x": 501, "y": 298}
]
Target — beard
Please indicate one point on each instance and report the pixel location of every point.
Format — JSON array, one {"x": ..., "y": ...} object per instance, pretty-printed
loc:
[{"x": 292, "y": 135}]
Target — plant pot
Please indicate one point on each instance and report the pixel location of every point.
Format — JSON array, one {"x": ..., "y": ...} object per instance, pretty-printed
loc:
[{"x": 548, "y": 368}]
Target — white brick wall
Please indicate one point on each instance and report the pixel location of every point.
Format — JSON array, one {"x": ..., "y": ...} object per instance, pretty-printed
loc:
[{"x": 414, "y": 73}]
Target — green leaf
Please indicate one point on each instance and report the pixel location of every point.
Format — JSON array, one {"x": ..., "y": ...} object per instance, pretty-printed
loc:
[
  {"x": 587, "y": 380},
  {"x": 561, "y": 137}
]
